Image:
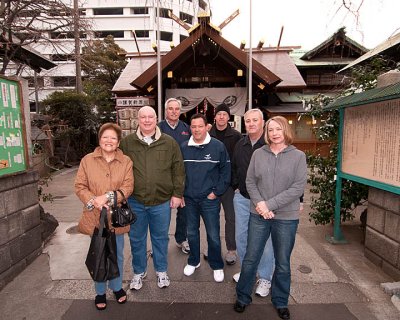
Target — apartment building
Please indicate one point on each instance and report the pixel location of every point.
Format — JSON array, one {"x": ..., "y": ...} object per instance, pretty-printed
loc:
[{"x": 133, "y": 25}]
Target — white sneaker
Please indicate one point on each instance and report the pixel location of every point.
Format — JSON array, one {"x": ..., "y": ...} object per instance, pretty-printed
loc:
[
  {"x": 236, "y": 277},
  {"x": 219, "y": 275},
  {"x": 162, "y": 280},
  {"x": 184, "y": 245},
  {"x": 136, "y": 282},
  {"x": 263, "y": 287},
  {"x": 189, "y": 270}
]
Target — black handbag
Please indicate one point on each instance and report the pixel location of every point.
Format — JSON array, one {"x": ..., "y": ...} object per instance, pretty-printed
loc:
[
  {"x": 121, "y": 216},
  {"x": 101, "y": 259}
]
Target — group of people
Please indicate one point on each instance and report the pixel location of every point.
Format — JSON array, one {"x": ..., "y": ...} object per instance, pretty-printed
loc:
[{"x": 257, "y": 178}]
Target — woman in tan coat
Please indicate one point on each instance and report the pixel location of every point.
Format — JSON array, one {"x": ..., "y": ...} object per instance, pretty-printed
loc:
[{"x": 100, "y": 173}]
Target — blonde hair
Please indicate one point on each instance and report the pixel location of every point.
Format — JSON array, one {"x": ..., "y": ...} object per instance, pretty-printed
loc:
[{"x": 284, "y": 124}]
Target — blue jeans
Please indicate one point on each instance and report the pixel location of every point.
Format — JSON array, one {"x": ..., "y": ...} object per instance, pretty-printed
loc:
[
  {"x": 209, "y": 211},
  {"x": 180, "y": 230},
  {"x": 283, "y": 233},
  {"x": 114, "y": 284},
  {"x": 156, "y": 218},
  {"x": 242, "y": 215}
]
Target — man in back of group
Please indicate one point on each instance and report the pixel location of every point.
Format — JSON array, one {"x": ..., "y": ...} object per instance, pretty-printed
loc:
[
  {"x": 222, "y": 131},
  {"x": 254, "y": 123},
  {"x": 208, "y": 174},
  {"x": 180, "y": 131},
  {"x": 159, "y": 177}
]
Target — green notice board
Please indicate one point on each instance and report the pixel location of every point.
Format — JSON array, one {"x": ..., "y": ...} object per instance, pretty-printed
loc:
[{"x": 12, "y": 131}]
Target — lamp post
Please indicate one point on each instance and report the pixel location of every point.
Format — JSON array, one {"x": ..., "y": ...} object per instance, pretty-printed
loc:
[
  {"x": 159, "y": 88},
  {"x": 78, "y": 69},
  {"x": 250, "y": 84}
]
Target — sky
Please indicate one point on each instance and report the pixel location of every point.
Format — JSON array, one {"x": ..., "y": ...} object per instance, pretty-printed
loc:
[{"x": 307, "y": 23}]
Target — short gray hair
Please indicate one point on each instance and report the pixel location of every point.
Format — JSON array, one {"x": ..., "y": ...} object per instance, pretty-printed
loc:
[
  {"x": 252, "y": 111},
  {"x": 173, "y": 100}
]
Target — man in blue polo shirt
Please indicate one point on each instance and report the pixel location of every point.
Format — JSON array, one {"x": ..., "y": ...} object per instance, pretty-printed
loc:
[{"x": 180, "y": 131}]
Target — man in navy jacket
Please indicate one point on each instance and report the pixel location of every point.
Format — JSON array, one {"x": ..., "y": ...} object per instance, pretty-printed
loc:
[
  {"x": 180, "y": 131},
  {"x": 208, "y": 174}
]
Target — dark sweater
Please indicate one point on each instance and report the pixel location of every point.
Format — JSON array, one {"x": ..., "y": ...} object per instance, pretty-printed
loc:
[
  {"x": 181, "y": 133},
  {"x": 230, "y": 138},
  {"x": 240, "y": 163}
]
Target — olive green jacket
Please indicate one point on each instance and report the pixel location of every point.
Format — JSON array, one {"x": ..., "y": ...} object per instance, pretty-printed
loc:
[{"x": 158, "y": 168}]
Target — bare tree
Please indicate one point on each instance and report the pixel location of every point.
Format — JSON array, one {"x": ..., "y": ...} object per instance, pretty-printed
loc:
[{"x": 30, "y": 23}]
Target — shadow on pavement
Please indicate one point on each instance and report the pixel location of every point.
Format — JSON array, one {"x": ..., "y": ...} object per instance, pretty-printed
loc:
[{"x": 193, "y": 311}]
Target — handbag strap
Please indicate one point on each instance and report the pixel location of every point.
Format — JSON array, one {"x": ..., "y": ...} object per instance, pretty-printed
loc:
[
  {"x": 123, "y": 196},
  {"x": 115, "y": 200},
  {"x": 116, "y": 197},
  {"x": 103, "y": 220}
]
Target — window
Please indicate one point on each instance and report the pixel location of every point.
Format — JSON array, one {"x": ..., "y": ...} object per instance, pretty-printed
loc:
[
  {"x": 166, "y": 36},
  {"x": 53, "y": 12},
  {"x": 64, "y": 81},
  {"x": 182, "y": 37},
  {"x": 108, "y": 11},
  {"x": 140, "y": 10},
  {"x": 312, "y": 79},
  {"x": 203, "y": 5},
  {"x": 115, "y": 34},
  {"x": 31, "y": 82},
  {"x": 66, "y": 35},
  {"x": 164, "y": 12},
  {"x": 142, "y": 33},
  {"x": 186, "y": 17},
  {"x": 28, "y": 13},
  {"x": 23, "y": 36},
  {"x": 62, "y": 57}
]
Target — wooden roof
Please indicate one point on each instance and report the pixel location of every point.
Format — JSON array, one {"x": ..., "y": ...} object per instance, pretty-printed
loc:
[
  {"x": 280, "y": 63},
  {"x": 390, "y": 47},
  {"x": 206, "y": 37},
  {"x": 26, "y": 55},
  {"x": 336, "y": 46}
]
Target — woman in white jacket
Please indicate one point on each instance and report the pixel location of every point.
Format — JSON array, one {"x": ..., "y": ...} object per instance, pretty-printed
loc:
[{"x": 275, "y": 181}]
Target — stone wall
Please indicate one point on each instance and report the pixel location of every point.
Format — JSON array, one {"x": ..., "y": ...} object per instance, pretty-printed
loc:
[
  {"x": 382, "y": 240},
  {"x": 20, "y": 229}
]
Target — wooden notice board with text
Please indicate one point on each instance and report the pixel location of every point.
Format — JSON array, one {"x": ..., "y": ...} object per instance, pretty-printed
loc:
[
  {"x": 12, "y": 128},
  {"x": 371, "y": 141}
]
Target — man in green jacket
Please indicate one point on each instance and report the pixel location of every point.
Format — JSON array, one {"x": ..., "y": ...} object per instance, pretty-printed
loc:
[{"x": 159, "y": 177}]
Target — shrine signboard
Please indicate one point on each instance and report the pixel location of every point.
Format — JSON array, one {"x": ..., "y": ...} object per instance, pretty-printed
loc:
[
  {"x": 371, "y": 142},
  {"x": 13, "y": 156}
]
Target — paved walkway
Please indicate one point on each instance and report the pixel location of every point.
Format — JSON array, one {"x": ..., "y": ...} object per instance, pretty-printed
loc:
[{"x": 326, "y": 279}]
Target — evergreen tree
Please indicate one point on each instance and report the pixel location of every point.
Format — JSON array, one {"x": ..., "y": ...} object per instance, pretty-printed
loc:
[{"x": 102, "y": 63}]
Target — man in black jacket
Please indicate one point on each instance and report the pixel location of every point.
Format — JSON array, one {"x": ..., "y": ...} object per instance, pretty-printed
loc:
[{"x": 222, "y": 131}]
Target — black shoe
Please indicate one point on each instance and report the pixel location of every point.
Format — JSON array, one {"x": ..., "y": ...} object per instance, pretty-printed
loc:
[
  {"x": 283, "y": 313},
  {"x": 238, "y": 307},
  {"x": 100, "y": 300}
]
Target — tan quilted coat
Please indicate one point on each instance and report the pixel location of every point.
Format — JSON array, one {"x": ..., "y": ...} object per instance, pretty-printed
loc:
[{"x": 95, "y": 177}]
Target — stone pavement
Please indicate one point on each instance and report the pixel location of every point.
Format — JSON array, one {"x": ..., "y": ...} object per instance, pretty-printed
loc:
[{"x": 325, "y": 278}]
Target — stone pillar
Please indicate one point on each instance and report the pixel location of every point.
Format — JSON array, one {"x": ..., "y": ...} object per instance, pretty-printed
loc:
[
  {"x": 20, "y": 229},
  {"x": 382, "y": 239}
]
